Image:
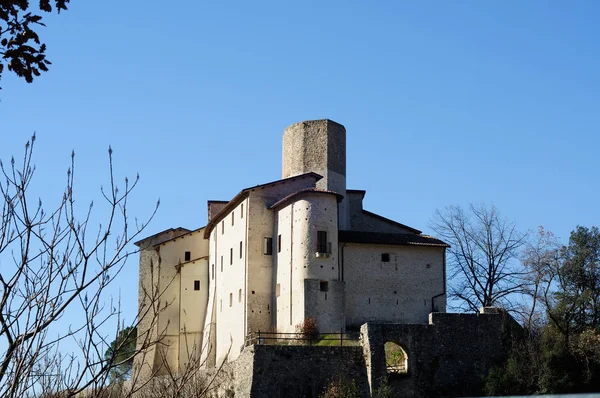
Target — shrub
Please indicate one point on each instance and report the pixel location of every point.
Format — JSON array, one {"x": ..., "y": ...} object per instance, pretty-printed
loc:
[
  {"x": 384, "y": 390},
  {"x": 341, "y": 388},
  {"x": 308, "y": 329}
]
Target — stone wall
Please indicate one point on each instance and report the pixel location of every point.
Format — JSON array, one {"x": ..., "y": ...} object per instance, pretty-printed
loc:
[
  {"x": 400, "y": 290},
  {"x": 448, "y": 357},
  {"x": 298, "y": 371}
]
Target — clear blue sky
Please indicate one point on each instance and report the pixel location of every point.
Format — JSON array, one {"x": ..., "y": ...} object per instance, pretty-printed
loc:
[{"x": 443, "y": 102}]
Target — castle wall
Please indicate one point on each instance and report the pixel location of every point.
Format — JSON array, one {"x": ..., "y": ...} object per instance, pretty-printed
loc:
[
  {"x": 301, "y": 371},
  {"x": 361, "y": 220},
  {"x": 147, "y": 306},
  {"x": 307, "y": 282},
  {"x": 447, "y": 357},
  {"x": 400, "y": 290},
  {"x": 262, "y": 224},
  {"x": 289, "y": 294},
  {"x": 185, "y": 309},
  {"x": 193, "y": 308},
  {"x": 228, "y": 271},
  {"x": 318, "y": 146}
]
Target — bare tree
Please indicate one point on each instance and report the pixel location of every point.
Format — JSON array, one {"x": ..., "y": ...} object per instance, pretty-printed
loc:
[
  {"x": 55, "y": 268},
  {"x": 541, "y": 258},
  {"x": 481, "y": 258}
]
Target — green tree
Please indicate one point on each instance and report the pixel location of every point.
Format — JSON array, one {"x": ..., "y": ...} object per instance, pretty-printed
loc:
[
  {"x": 561, "y": 354},
  {"x": 21, "y": 49},
  {"x": 121, "y": 353},
  {"x": 576, "y": 304}
]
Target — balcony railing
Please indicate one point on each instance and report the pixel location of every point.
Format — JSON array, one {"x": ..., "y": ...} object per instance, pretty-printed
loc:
[{"x": 332, "y": 339}]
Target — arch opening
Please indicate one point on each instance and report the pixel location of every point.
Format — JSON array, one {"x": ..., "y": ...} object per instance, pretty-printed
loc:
[{"x": 396, "y": 359}]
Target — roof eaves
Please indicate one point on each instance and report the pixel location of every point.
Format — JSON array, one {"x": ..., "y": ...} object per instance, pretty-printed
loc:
[
  {"x": 139, "y": 242},
  {"x": 339, "y": 196},
  {"x": 394, "y": 239},
  {"x": 244, "y": 193},
  {"x": 181, "y": 236}
]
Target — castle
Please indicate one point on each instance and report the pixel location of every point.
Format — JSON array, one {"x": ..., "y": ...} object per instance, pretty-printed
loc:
[{"x": 281, "y": 252}]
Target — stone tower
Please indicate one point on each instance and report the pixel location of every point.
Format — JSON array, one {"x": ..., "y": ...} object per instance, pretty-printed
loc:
[{"x": 318, "y": 146}]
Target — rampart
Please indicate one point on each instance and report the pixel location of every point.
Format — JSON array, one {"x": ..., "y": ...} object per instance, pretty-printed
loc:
[
  {"x": 448, "y": 357},
  {"x": 294, "y": 371}
]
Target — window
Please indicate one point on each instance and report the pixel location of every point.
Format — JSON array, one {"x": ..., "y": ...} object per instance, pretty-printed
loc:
[
  {"x": 277, "y": 290},
  {"x": 324, "y": 286},
  {"x": 240, "y": 296},
  {"x": 196, "y": 285},
  {"x": 268, "y": 249},
  {"x": 240, "y": 249},
  {"x": 278, "y": 243},
  {"x": 221, "y": 263},
  {"x": 232, "y": 217},
  {"x": 213, "y": 272},
  {"x": 230, "y": 300},
  {"x": 222, "y": 227},
  {"x": 188, "y": 256},
  {"x": 231, "y": 256},
  {"x": 322, "y": 242},
  {"x": 242, "y": 211},
  {"x": 385, "y": 257}
]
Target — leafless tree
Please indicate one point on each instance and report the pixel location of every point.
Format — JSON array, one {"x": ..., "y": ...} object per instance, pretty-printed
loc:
[
  {"x": 481, "y": 260},
  {"x": 55, "y": 269},
  {"x": 541, "y": 258}
]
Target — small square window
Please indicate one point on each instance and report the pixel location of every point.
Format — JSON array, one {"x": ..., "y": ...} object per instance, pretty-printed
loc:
[
  {"x": 213, "y": 272},
  {"x": 221, "y": 263},
  {"x": 385, "y": 257},
  {"x": 268, "y": 249},
  {"x": 230, "y": 299},
  {"x": 222, "y": 227},
  {"x": 278, "y": 243},
  {"x": 240, "y": 296},
  {"x": 196, "y": 285},
  {"x": 232, "y": 217},
  {"x": 240, "y": 249},
  {"x": 324, "y": 286},
  {"x": 231, "y": 256},
  {"x": 188, "y": 256},
  {"x": 242, "y": 211}
]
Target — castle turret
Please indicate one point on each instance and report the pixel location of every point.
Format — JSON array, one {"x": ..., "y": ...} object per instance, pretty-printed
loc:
[{"x": 318, "y": 146}]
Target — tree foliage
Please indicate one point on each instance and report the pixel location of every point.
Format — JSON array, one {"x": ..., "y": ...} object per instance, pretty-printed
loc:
[
  {"x": 577, "y": 301},
  {"x": 21, "y": 48},
  {"x": 561, "y": 354},
  {"x": 121, "y": 352},
  {"x": 481, "y": 259}
]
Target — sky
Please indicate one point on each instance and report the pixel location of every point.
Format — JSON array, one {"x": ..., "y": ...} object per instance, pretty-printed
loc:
[{"x": 443, "y": 102}]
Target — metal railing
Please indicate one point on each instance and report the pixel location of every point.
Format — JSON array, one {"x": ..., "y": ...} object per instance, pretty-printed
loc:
[{"x": 330, "y": 339}]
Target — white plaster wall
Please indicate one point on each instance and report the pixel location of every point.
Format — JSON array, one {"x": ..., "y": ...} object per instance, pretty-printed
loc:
[
  {"x": 298, "y": 224},
  {"x": 336, "y": 182},
  {"x": 262, "y": 223},
  {"x": 193, "y": 308},
  {"x": 288, "y": 298},
  {"x": 229, "y": 279},
  {"x": 397, "y": 291},
  {"x": 175, "y": 301}
]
